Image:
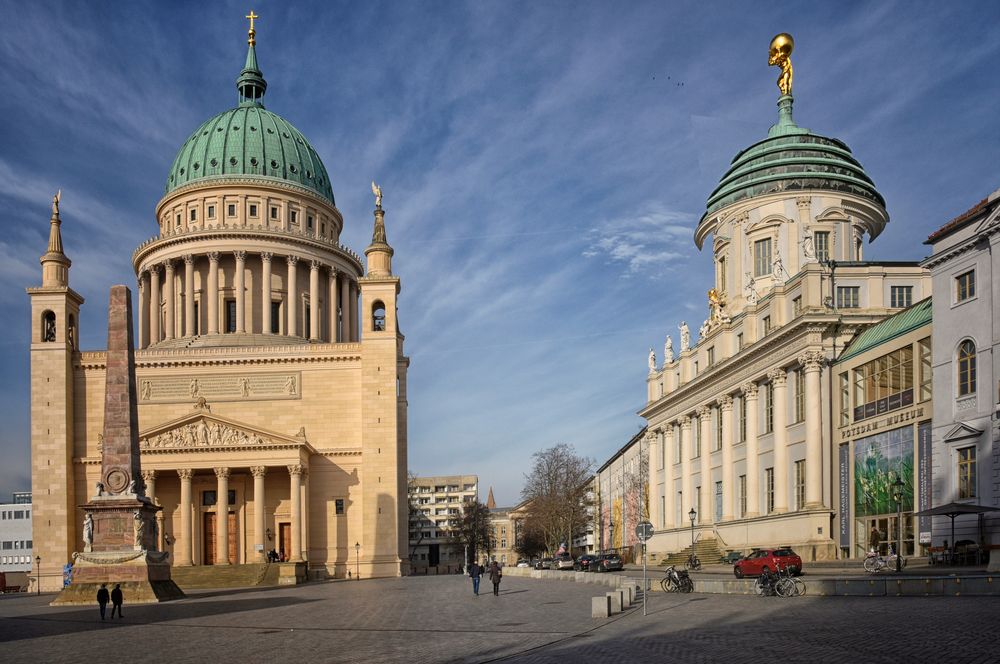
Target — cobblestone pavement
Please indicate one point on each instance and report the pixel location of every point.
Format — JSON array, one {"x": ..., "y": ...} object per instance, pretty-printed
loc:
[{"x": 437, "y": 619}]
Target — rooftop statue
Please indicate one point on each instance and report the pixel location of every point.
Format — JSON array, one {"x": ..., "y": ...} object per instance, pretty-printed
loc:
[
  {"x": 685, "y": 336},
  {"x": 668, "y": 350},
  {"x": 377, "y": 190},
  {"x": 780, "y": 56},
  {"x": 652, "y": 361}
]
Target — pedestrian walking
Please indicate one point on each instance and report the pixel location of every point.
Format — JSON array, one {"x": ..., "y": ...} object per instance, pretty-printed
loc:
[
  {"x": 476, "y": 572},
  {"x": 495, "y": 576},
  {"x": 116, "y": 600},
  {"x": 874, "y": 539},
  {"x": 103, "y": 597}
]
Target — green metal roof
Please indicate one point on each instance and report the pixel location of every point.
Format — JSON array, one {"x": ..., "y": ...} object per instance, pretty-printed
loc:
[
  {"x": 791, "y": 158},
  {"x": 896, "y": 325},
  {"x": 249, "y": 141}
]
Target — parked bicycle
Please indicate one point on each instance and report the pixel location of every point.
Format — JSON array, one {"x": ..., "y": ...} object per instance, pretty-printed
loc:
[
  {"x": 875, "y": 563},
  {"x": 693, "y": 562},
  {"x": 780, "y": 583},
  {"x": 676, "y": 581}
]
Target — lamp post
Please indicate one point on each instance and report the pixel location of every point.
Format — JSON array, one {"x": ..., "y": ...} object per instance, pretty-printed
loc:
[
  {"x": 898, "y": 495},
  {"x": 38, "y": 575},
  {"x": 357, "y": 560},
  {"x": 692, "y": 515}
]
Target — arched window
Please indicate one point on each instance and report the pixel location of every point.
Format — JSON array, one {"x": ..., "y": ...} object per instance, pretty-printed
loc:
[
  {"x": 966, "y": 368},
  {"x": 378, "y": 316},
  {"x": 71, "y": 332},
  {"x": 48, "y": 326}
]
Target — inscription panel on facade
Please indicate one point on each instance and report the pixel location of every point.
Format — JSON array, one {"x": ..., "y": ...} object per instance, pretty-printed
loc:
[{"x": 229, "y": 387}]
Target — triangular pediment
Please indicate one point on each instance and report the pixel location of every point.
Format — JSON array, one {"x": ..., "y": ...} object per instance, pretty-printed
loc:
[
  {"x": 990, "y": 220},
  {"x": 202, "y": 429},
  {"x": 961, "y": 431}
]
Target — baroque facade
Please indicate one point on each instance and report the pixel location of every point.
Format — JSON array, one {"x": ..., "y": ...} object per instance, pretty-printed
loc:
[
  {"x": 270, "y": 366},
  {"x": 739, "y": 422}
]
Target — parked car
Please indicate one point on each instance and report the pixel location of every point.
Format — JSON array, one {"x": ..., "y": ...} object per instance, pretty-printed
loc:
[
  {"x": 523, "y": 563},
  {"x": 770, "y": 560},
  {"x": 608, "y": 562},
  {"x": 732, "y": 558},
  {"x": 544, "y": 563},
  {"x": 563, "y": 561},
  {"x": 584, "y": 562}
]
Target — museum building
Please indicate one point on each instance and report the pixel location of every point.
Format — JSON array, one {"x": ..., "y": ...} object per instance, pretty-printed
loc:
[
  {"x": 270, "y": 368},
  {"x": 739, "y": 423}
]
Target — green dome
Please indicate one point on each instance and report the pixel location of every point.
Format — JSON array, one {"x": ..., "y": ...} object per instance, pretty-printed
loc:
[
  {"x": 249, "y": 142},
  {"x": 791, "y": 158}
]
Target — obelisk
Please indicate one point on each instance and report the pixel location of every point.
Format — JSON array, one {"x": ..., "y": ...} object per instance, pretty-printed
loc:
[{"x": 119, "y": 521}]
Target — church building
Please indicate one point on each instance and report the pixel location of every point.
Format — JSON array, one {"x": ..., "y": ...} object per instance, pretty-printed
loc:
[{"x": 270, "y": 368}]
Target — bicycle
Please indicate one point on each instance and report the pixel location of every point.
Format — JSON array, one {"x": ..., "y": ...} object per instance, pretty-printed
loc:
[
  {"x": 788, "y": 585},
  {"x": 676, "y": 581},
  {"x": 693, "y": 562},
  {"x": 875, "y": 563}
]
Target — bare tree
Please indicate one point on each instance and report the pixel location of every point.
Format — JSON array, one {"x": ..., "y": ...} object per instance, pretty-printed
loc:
[
  {"x": 473, "y": 529},
  {"x": 558, "y": 488}
]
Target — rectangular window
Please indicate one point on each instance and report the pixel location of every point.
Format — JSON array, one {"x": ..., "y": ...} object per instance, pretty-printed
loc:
[
  {"x": 884, "y": 384},
  {"x": 768, "y": 407},
  {"x": 211, "y": 212},
  {"x": 800, "y": 394},
  {"x": 253, "y": 210},
  {"x": 762, "y": 257},
  {"x": 230, "y": 316},
  {"x": 322, "y": 229},
  {"x": 309, "y": 222},
  {"x": 178, "y": 220},
  {"x": 822, "y": 242},
  {"x": 796, "y": 305},
  {"x": 711, "y": 356},
  {"x": 901, "y": 296},
  {"x": 743, "y": 419},
  {"x": 966, "y": 473},
  {"x": 194, "y": 215},
  {"x": 848, "y": 297},
  {"x": 766, "y": 324},
  {"x": 197, "y": 319},
  {"x": 231, "y": 210},
  {"x": 800, "y": 484},
  {"x": 338, "y": 506},
  {"x": 696, "y": 424},
  {"x": 769, "y": 489},
  {"x": 845, "y": 400},
  {"x": 926, "y": 372},
  {"x": 965, "y": 286},
  {"x": 743, "y": 495},
  {"x": 275, "y": 317},
  {"x": 294, "y": 216},
  {"x": 305, "y": 328},
  {"x": 274, "y": 212},
  {"x": 718, "y": 429},
  {"x": 208, "y": 498}
]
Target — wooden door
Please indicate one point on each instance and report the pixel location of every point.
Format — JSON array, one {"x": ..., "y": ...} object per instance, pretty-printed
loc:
[
  {"x": 232, "y": 538},
  {"x": 285, "y": 540},
  {"x": 208, "y": 539}
]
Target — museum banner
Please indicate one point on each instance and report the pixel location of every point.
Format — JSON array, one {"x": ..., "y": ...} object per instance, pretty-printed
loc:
[
  {"x": 845, "y": 496},
  {"x": 924, "y": 480}
]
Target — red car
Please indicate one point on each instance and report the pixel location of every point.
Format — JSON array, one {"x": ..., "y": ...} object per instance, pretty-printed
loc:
[{"x": 770, "y": 560}]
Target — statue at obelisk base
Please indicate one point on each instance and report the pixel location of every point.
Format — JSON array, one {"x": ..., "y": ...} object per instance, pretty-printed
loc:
[{"x": 119, "y": 521}]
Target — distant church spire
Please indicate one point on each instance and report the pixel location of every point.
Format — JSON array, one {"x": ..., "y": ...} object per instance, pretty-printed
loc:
[
  {"x": 490, "y": 503},
  {"x": 55, "y": 264},
  {"x": 379, "y": 253}
]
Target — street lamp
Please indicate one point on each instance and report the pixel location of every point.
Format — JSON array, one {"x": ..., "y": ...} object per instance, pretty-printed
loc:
[
  {"x": 897, "y": 493},
  {"x": 38, "y": 575},
  {"x": 357, "y": 560},
  {"x": 611, "y": 535},
  {"x": 692, "y": 515}
]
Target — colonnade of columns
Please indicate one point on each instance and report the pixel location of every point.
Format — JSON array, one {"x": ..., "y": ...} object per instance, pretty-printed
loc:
[
  {"x": 158, "y": 323},
  {"x": 679, "y": 432},
  {"x": 184, "y": 538}
]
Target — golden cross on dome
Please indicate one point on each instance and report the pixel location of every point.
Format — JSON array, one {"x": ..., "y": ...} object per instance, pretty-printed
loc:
[{"x": 252, "y": 32}]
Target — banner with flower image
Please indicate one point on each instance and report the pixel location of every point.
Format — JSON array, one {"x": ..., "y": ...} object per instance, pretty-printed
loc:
[{"x": 878, "y": 461}]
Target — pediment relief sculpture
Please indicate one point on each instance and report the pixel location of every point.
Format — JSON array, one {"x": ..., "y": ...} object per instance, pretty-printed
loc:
[{"x": 209, "y": 432}]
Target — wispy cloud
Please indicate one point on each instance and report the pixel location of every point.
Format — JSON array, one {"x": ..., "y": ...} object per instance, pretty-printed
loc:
[{"x": 649, "y": 242}]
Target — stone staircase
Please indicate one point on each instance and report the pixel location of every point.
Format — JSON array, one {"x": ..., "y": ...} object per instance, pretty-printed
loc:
[
  {"x": 231, "y": 576},
  {"x": 706, "y": 548}
]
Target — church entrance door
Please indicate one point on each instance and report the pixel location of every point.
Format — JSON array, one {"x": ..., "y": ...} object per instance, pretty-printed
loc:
[
  {"x": 209, "y": 539},
  {"x": 285, "y": 539}
]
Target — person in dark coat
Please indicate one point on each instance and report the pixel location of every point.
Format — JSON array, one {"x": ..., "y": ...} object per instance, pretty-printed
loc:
[
  {"x": 495, "y": 576},
  {"x": 874, "y": 539},
  {"x": 476, "y": 572},
  {"x": 116, "y": 600},
  {"x": 103, "y": 597}
]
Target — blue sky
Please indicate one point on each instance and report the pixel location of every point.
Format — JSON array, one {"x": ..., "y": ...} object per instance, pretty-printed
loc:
[{"x": 544, "y": 165}]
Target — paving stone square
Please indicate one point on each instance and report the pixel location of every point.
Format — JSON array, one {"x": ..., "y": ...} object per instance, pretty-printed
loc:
[{"x": 438, "y": 619}]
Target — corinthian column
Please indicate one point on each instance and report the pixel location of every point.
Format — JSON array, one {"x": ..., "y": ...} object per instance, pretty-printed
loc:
[
  {"x": 813, "y": 364},
  {"x": 212, "y": 308},
  {"x": 707, "y": 506},
  {"x": 687, "y": 481},
  {"x": 189, "y": 296},
  {"x": 668, "y": 476},
  {"x": 779, "y": 383},
  {"x": 314, "y": 300},
  {"x": 258, "y": 473},
  {"x": 653, "y": 479},
  {"x": 292, "y": 327},
  {"x": 182, "y": 551},
  {"x": 295, "y": 493},
  {"x": 265, "y": 283},
  {"x": 222, "y": 516},
  {"x": 332, "y": 305},
  {"x": 728, "y": 479},
  {"x": 239, "y": 285},
  {"x": 168, "y": 295},
  {"x": 753, "y": 462}
]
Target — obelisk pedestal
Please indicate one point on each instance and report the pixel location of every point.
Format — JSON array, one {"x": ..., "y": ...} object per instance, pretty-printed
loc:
[{"x": 119, "y": 521}]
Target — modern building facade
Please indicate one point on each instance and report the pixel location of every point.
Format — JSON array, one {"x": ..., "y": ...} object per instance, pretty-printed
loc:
[
  {"x": 436, "y": 505},
  {"x": 965, "y": 264},
  {"x": 270, "y": 365},
  {"x": 621, "y": 489},
  {"x": 739, "y": 423},
  {"x": 16, "y": 546},
  {"x": 882, "y": 408}
]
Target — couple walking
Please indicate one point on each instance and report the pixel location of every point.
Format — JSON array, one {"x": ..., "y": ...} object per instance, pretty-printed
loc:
[
  {"x": 115, "y": 596},
  {"x": 476, "y": 572}
]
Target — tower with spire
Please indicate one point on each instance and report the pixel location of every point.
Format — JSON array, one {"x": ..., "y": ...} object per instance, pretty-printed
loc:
[{"x": 55, "y": 313}]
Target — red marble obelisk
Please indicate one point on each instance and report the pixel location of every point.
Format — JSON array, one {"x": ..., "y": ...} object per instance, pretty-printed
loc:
[{"x": 119, "y": 521}]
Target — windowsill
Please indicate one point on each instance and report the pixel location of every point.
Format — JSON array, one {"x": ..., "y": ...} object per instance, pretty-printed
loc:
[{"x": 958, "y": 303}]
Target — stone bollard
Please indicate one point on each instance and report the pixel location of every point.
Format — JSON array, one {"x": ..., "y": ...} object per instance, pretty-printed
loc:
[
  {"x": 625, "y": 598},
  {"x": 615, "y": 602},
  {"x": 633, "y": 592},
  {"x": 600, "y": 607}
]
